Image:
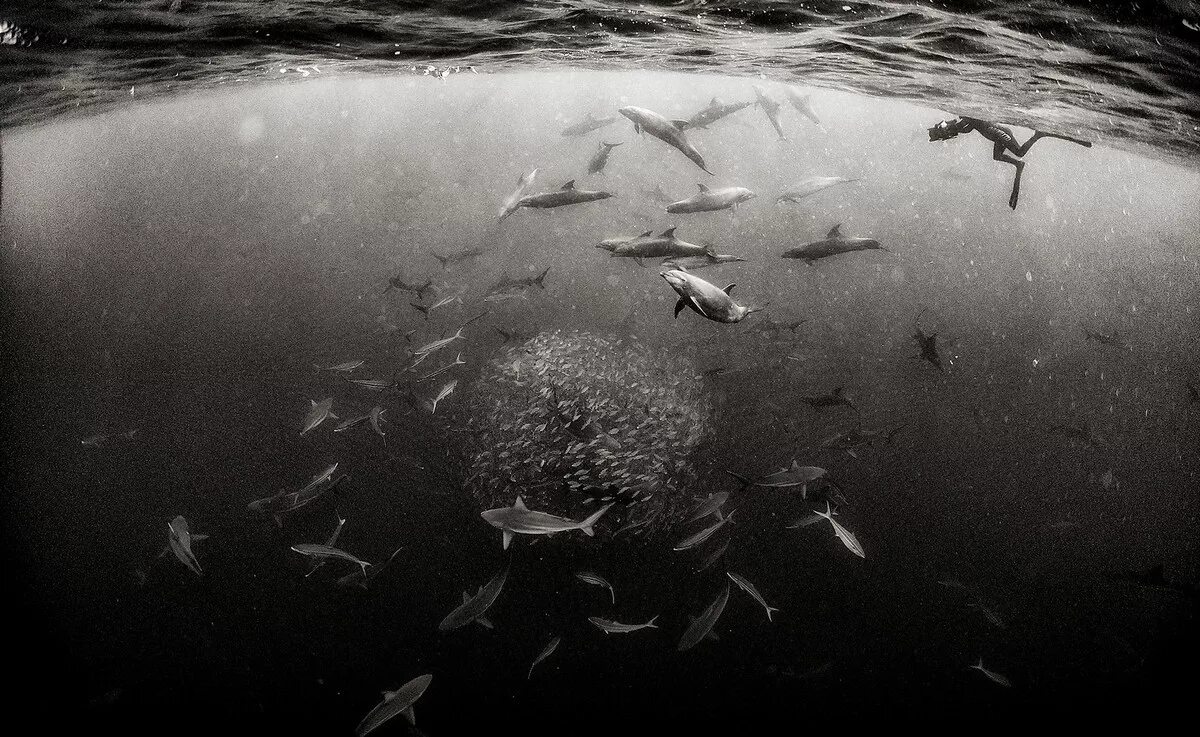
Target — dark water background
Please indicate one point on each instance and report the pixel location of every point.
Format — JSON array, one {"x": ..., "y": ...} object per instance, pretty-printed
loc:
[{"x": 177, "y": 267}]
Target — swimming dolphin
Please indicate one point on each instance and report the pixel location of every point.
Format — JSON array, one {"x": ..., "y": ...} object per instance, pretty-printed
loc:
[
  {"x": 771, "y": 107},
  {"x": 596, "y": 165},
  {"x": 705, "y": 298},
  {"x": 715, "y": 110},
  {"x": 811, "y": 186},
  {"x": 648, "y": 245},
  {"x": 519, "y": 519},
  {"x": 832, "y": 244},
  {"x": 707, "y": 200},
  {"x": 801, "y": 103},
  {"x": 669, "y": 132},
  {"x": 568, "y": 195},
  {"x": 524, "y": 182},
  {"x": 588, "y": 124}
]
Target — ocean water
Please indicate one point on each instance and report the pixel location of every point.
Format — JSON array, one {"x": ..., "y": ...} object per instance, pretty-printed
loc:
[{"x": 176, "y": 260}]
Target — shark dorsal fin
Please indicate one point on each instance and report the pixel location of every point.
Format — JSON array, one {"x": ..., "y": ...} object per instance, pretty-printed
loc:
[
  {"x": 569, "y": 185},
  {"x": 518, "y": 504},
  {"x": 702, "y": 187},
  {"x": 835, "y": 232},
  {"x": 646, "y": 234},
  {"x": 729, "y": 289},
  {"x": 795, "y": 464},
  {"x": 715, "y": 101},
  {"x": 466, "y": 598},
  {"x": 669, "y": 232}
]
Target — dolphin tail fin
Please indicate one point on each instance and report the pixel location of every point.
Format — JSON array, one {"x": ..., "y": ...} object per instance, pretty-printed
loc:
[
  {"x": 540, "y": 281},
  {"x": 586, "y": 525}
]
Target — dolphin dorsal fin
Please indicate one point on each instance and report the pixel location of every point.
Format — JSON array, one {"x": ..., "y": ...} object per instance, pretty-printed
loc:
[
  {"x": 518, "y": 504},
  {"x": 835, "y": 232},
  {"x": 646, "y": 234},
  {"x": 715, "y": 101},
  {"x": 680, "y": 124},
  {"x": 729, "y": 289},
  {"x": 669, "y": 232},
  {"x": 702, "y": 187},
  {"x": 571, "y": 185}
]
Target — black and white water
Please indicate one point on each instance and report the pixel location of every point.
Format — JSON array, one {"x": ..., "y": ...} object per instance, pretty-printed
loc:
[{"x": 199, "y": 205}]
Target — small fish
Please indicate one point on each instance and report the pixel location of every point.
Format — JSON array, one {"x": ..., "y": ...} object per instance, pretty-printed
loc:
[
  {"x": 180, "y": 540},
  {"x": 749, "y": 589},
  {"x": 596, "y": 580},
  {"x": 345, "y": 425},
  {"x": 456, "y": 362},
  {"x": 805, "y": 521},
  {"x": 842, "y": 533},
  {"x": 444, "y": 392},
  {"x": 345, "y": 367},
  {"x": 610, "y": 627},
  {"x": 694, "y": 540},
  {"x": 313, "y": 550},
  {"x": 419, "y": 289},
  {"x": 395, "y": 702},
  {"x": 436, "y": 305},
  {"x": 1108, "y": 481},
  {"x": 377, "y": 419},
  {"x": 992, "y": 675},
  {"x": 546, "y": 652},
  {"x": 504, "y": 297},
  {"x": 437, "y": 345},
  {"x": 1111, "y": 339},
  {"x": 94, "y": 441},
  {"x": 375, "y": 385},
  {"x": 318, "y": 412}
]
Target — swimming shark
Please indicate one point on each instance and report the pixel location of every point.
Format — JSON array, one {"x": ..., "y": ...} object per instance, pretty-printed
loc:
[
  {"x": 669, "y": 132},
  {"x": 520, "y": 520}
]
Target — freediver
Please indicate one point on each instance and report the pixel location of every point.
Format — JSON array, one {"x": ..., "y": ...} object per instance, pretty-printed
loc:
[{"x": 1003, "y": 140}]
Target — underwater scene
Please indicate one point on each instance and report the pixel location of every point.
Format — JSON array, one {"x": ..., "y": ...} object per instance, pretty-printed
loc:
[{"x": 525, "y": 385}]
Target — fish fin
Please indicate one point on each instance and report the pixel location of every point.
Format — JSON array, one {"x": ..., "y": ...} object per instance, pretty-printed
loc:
[
  {"x": 508, "y": 536},
  {"x": 698, "y": 307},
  {"x": 835, "y": 232},
  {"x": 586, "y": 525},
  {"x": 669, "y": 232},
  {"x": 770, "y": 610},
  {"x": 410, "y": 715},
  {"x": 569, "y": 185},
  {"x": 795, "y": 464},
  {"x": 637, "y": 128},
  {"x": 712, "y": 636},
  {"x": 680, "y": 124},
  {"x": 639, "y": 261},
  {"x": 679, "y": 306},
  {"x": 651, "y": 622},
  {"x": 466, "y": 598},
  {"x": 745, "y": 482},
  {"x": 520, "y": 504},
  {"x": 729, "y": 289},
  {"x": 702, "y": 187},
  {"x": 647, "y": 234}
]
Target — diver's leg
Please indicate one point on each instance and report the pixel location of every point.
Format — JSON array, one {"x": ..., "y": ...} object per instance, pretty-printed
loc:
[
  {"x": 999, "y": 154},
  {"x": 1024, "y": 148}
]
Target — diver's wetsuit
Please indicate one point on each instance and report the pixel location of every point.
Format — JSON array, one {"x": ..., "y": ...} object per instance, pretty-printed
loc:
[{"x": 1003, "y": 140}]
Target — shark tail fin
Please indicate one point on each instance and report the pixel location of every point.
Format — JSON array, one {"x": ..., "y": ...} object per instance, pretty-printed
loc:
[
  {"x": 587, "y": 524},
  {"x": 540, "y": 281},
  {"x": 442, "y": 259},
  {"x": 771, "y": 610}
]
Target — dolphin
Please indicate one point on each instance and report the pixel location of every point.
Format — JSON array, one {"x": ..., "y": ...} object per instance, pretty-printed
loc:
[
  {"x": 702, "y": 625},
  {"x": 812, "y": 185},
  {"x": 691, "y": 263},
  {"x": 715, "y": 110},
  {"x": 771, "y": 107},
  {"x": 596, "y": 165},
  {"x": 669, "y": 132},
  {"x": 524, "y": 182},
  {"x": 705, "y": 298},
  {"x": 519, "y": 519},
  {"x": 801, "y": 103},
  {"x": 648, "y": 245},
  {"x": 833, "y": 244},
  {"x": 707, "y": 200},
  {"x": 568, "y": 195},
  {"x": 395, "y": 702},
  {"x": 588, "y": 124}
]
